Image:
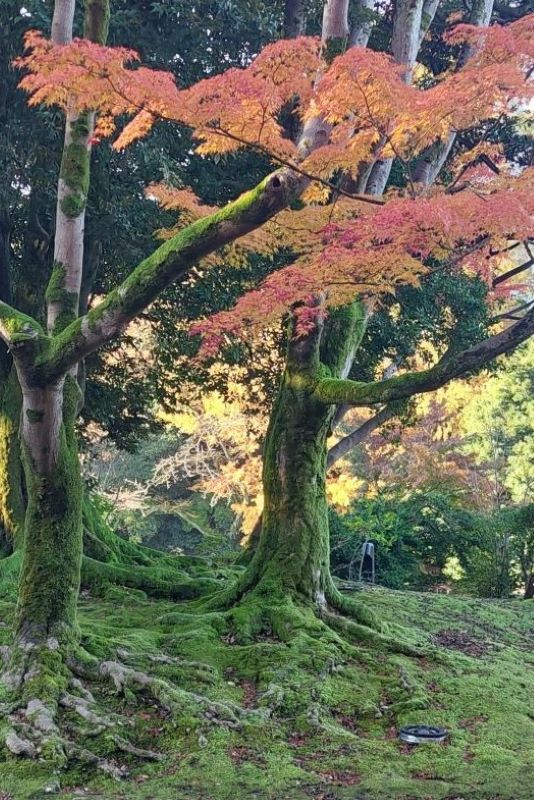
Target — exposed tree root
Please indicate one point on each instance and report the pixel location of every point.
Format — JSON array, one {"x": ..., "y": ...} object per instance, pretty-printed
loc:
[
  {"x": 45, "y": 682},
  {"x": 110, "y": 560},
  {"x": 363, "y": 633},
  {"x": 354, "y": 608},
  {"x": 248, "y": 606},
  {"x": 155, "y": 580},
  {"x": 54, "y": 709}
]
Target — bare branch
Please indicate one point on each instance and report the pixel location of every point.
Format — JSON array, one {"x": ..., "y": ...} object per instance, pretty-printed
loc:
[
  {"x": 512, "y": 272},
  {"x": 356, "y": 437}
]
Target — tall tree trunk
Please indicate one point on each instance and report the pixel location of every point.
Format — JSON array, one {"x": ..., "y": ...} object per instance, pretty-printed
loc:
[
  {"x": 293, "y": 552},
  {"x": 294, "y": 545},
  {"x": 53, "y": 535},
  {"x": 52, "y": 551}
]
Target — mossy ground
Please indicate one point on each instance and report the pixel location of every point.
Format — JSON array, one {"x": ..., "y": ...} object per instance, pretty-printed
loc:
[{"x": 333, "y": 734}]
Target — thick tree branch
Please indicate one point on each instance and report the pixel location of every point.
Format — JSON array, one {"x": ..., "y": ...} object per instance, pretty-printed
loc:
[
  {"x": 335, "y": 31},
  {"x": 512, "y": 272},
  {"x": 356, "y": 437},
  {"x": 354, "y": 393},
  {"x": 335, "y": 20},
  {"x": 405, "y": 42},
  {"x": 16, "y": 327},
  {"x": 176, "y": 257},
  {"x": 173, "y": 260}
]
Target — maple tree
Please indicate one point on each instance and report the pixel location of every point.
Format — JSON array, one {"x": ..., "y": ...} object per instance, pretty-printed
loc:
[{"x": 355, "y": 109}]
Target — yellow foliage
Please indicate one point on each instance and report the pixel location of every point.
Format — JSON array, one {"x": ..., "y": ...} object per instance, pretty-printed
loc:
[{"x": 342, "y": 489}]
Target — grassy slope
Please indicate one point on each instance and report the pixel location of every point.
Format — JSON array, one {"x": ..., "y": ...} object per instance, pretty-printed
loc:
[{"x": 484, "y": 699}]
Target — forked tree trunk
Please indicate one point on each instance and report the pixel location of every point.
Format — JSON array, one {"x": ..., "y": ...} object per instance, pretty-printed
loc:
[
  {"x": 53, "y": 536},
  {"x": 294, "y": 550},
  {"x": 293, "y": 553},
  {"x": 52, "y": 552}
]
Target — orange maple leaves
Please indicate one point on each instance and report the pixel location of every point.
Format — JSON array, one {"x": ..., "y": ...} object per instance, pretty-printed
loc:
[
  {"x": 226, "y": 112},
  {"x": 374, "y": 113},
  {"x": 380, "y": 249}
]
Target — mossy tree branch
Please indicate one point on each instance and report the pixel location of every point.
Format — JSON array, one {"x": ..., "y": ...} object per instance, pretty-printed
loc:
[
  {"x": 16, "y": 327},
  {"x": 333, "y": 391},
  {"x": 173, "y": 260}
]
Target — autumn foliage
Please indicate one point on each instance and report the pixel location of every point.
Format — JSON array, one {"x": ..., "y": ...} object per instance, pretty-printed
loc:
[
  {"x": 362, "y": 94},
  {"x": 346, "y": 248}
]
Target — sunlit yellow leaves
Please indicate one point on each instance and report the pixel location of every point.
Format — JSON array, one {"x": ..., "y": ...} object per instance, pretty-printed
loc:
[
  {"x": 316, "y": 193},
  {"x": 182, "y": 421},
  {"x": 342, "y": 488}
]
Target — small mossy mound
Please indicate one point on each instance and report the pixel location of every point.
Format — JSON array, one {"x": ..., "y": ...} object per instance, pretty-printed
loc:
[{"x": 269, "y": 702}]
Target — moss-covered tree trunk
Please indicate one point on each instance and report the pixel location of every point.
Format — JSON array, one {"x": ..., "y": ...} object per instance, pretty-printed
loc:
[
  {"x": 293, "y": 552},
  {"x": 50, "y": 573},
  {"x": 11, "y": 489}
]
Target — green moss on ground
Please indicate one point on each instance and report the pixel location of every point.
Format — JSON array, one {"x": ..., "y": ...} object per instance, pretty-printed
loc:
[{"x": 332, "y": 733}]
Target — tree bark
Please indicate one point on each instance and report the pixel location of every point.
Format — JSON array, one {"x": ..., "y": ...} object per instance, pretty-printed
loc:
[
  {"x": 294, "y": 18},
  {"x": 63, "y": 293},
  {"x": 53, "y": 534},
  {"x": 356, "y": 437},
  {"x": 293, "y": 553},
  {"x": 11, "y": 492},
  {"x": 363, "y": 25},
  {"x": 52, "y": 552}
]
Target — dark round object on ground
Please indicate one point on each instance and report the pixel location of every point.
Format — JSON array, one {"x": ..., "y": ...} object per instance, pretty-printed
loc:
[{"x": 420, "y": 734}]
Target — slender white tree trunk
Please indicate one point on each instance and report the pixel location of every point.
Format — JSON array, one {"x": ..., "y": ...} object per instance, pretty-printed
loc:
[
  {"x": 405, "y": 42},
  {"x": 62, "y": 21},
  {"x": 431, "y": 163}
]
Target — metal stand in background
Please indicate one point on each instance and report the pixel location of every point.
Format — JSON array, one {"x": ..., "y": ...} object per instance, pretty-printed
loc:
[{"x": 367, "y": 563}]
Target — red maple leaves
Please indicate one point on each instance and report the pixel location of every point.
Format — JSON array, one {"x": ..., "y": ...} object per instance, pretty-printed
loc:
[{"x": 385, "y": 247}]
